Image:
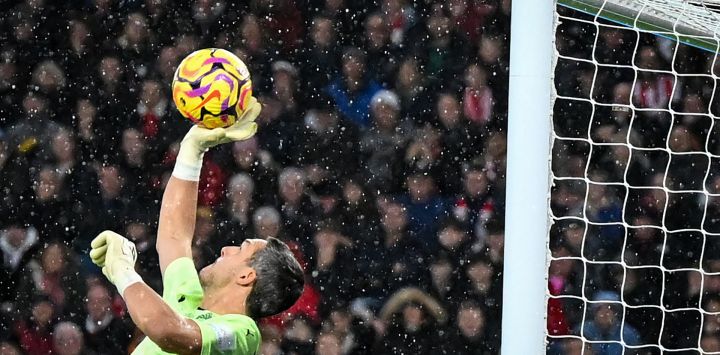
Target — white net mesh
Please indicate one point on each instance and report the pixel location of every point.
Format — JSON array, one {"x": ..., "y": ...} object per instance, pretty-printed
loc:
[{"x": 635, "y": 202}]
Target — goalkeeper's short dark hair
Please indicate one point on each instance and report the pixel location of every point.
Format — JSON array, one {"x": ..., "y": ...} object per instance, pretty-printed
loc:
[{"x": 279, "y": 281}]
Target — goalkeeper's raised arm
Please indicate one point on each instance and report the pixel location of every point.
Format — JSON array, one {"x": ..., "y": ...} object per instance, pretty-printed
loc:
[{"x": 212, "y": 312}]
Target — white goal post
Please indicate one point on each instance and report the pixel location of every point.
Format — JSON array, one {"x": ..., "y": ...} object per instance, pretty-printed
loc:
[
  {"x": 528, "y": 147},
  {"x": 649, "y": 109}
]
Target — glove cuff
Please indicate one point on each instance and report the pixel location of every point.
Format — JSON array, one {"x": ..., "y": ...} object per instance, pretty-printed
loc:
[
  {"x": 126, "y": 278},
  {"x": 188, "y": 164}
]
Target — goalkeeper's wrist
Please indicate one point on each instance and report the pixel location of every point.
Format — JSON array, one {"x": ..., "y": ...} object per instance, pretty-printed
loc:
[
  {"x": 124, "y": 279},
  {"x": 188, "y": 164}
]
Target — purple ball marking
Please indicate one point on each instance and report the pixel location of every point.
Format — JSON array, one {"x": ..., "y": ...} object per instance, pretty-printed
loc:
[
  {"x": 230, "y": 82},
  {"x": 199, "y": 91},
  {"x": 226, "y": 79},
  {"x": 216, "y": 60}
]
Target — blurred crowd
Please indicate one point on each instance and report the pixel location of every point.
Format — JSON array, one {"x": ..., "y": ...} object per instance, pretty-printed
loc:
[
  {"x": 635, "y": 196},
  {"x": 380, "y": 158}
]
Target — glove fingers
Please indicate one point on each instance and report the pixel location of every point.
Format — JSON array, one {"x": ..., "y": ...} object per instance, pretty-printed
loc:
[
  {"x": 252, "y": 111},
  {"x": 99, "y": 241},
  {"x": 204, "y": 137},
  {"x": 98, "y": 254},
  {"x": 242, "y": 132},
  {"x": 99, "y": 262},
  {"x": 213, "y": 137}
]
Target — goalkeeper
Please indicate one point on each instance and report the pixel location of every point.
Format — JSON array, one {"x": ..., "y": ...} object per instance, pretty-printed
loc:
[{"x": 212, "y": 313}]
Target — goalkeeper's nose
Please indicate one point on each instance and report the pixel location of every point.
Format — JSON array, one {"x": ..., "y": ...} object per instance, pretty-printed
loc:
[
  {"x": 225, "y": 251},
  {"x": 229, "y": 250}
]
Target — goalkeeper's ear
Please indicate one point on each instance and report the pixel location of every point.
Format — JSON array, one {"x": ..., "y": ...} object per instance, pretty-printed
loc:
[{"x": 246, "y": 277}]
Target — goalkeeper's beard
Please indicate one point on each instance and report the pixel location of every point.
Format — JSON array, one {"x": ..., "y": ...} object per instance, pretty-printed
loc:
[
  {"x": 206, "y": 276},
  {"x": 210, "y": 279}
]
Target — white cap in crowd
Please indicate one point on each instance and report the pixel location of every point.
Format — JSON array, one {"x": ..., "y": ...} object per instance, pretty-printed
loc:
[{"x": 385, "y": 97}]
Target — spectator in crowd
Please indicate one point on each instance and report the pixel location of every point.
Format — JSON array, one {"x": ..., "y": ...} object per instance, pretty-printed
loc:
[
  {"x": 34, "y": 332},
  {"x": 471, "y": 334},
  {"x": 439, "y": 46},
  {"x": 9, "y": 81},
  {"x": 353, "y": 90},
  {"x": 298, "y": 337},
  {"x": 33, "y": 127},
  {"x": 68, "y": 340},
  {"x": 51, "y": 200},
  {"x": 133, "y": 161},
  {"x": 246, "y": 156},
  {"x": 139, "y": 230},
  {"x": 329, "y": 143},
  {"x": 476, "y": 204},
  {"x": 423, "y": 204},
  {"x": 485, "y": 287},
  {"x": 105, "y": 333},
  {"x": 382, "y": 58},
  {"x": 383, "y": 145},
  {"x": 453, "y": 240},
  {"x": 397, "y": 252},
  {"x": 318, "y": 57},
  {"x": 116, "y": 102},
  {"x": 295, "y": 205},
  {"x": 446, "y": 283},
  {"x": 412, "y": 90},
  {"x": 15, "y": 179},
  {"x": 113, "y": 204},
  {"x": 236, "y": 217},
  {"x": 57, "y": 280},
  {"x": 359, "y": 213},
  {"x": 281, "y": 133},
  {"x": 415, "y": 323},
  {"x": 654, "y": 89},
  {"x": 459, "y": 141},
  {"x": 19, "y": 245},
  {"x": 90, "y": 132},
  {"x": 605, "y": 325},
  {"x": 50, "y": 81},
  {"x": 332, "y": 270},
  {"x": 328, "y": 344}
]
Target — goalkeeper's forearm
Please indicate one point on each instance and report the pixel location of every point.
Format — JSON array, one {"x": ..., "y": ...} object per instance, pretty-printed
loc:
[
  {"x": 171, "y": 331},
  {"x": 179, "y": 205},
  {"x": 177, "y": 213}
]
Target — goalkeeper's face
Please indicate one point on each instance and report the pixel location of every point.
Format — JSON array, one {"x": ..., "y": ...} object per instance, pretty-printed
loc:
[{"x": 233, "y": 266}]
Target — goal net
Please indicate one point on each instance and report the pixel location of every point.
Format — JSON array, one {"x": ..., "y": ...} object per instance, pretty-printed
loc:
[{"x": 634, "y": 241}]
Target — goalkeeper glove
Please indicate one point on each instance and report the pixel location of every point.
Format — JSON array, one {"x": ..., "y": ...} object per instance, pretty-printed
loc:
[
  {"x": 116, "y": 256},
  {"x": 198, "y": 140}
]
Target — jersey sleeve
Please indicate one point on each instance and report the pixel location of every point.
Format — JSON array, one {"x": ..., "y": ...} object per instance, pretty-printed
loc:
[
  {"x": 229, "y": 335},
  {"x": 181, "y": 286}
]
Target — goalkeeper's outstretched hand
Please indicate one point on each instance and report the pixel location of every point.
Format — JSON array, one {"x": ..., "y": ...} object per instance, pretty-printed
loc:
[
  {"x": 116, "y": 256},
  {"x": 245, "y": 127},
  {"x": 199, "y": 139}
]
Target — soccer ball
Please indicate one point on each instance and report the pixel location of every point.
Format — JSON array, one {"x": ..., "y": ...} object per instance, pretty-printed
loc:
[{"x": 212, "y": 87}]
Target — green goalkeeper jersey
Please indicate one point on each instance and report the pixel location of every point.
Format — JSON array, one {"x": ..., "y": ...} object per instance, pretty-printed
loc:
[{"x": 221, "y": 334}]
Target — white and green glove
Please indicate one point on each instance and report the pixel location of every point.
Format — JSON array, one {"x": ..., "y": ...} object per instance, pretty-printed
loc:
[
  {"x": 198, "y": 140},
  {"x": 116, "y": 256}
]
